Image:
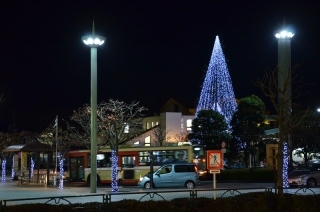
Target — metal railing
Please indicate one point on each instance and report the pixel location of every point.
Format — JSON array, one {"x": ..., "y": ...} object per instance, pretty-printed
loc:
[{"x": 157, "y": 195}]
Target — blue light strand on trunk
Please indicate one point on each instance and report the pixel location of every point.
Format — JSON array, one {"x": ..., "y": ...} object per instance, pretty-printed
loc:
[
  {"x": 114, "y": 183},
  {"x": 4, "y": 161},
  {"x": 12, "y": 168},
  {"x": 285, "y": 165},
  {"x": 32, "y": 167},
  {"x": 217, "y": 91},
  {"x": 61, "y": 172}
]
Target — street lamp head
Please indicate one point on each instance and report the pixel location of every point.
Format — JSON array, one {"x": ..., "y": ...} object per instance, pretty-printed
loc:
[
  {"x": 284, "y": 34},
  {"x": 93, "y": 40}
]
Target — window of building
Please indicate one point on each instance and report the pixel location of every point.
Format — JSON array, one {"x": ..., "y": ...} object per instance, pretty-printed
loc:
[
  {"x": 152, "y": 124},
  {"x": 147, "y": 141},
  {"x": 147, "y": 125},
  {"x": 189, "y": 124}
]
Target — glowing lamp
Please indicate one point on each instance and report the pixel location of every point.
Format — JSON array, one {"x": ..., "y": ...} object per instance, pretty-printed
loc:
[
  {"x": 93, "y": 40},
  {"x": 284, "y": 34}
]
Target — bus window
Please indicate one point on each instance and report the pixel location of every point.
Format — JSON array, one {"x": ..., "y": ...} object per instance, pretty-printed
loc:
[
  {"x": 198, "y": 151},
  {"x": 103, "y": 160},
  {"x": 128, "y": 161},
  {"x": 143, "y": 158}
]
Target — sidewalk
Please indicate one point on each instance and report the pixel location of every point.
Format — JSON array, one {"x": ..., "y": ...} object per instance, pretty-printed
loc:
[{"x": 11, "y": 190}]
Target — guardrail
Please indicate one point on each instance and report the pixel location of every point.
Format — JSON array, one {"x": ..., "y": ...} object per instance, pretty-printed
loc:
[{"x": 156, "y": 195}]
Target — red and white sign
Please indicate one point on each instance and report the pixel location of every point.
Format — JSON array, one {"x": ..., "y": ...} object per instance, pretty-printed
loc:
[
  {"x": 223, "y": 144},
  {"x": 215, "y": 171},
  {"x": 214, "y": 159}
]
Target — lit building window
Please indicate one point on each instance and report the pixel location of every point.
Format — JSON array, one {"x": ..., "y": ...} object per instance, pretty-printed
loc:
[
  {"x": 189, "y": 124},
  {"x": 152, "y": 124},
  {"x": 147, "y": 141},
  {"x": 136, "y": 143},
  {"x": 157, "y": 123},
  {"x": 147, "y": 125}
]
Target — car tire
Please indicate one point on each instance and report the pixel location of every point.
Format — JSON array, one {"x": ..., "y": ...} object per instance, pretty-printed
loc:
[
  {"x": 190, "y": 185},
  {"x": 312, "y": 182},
  {"x": 147, "y": 185}
]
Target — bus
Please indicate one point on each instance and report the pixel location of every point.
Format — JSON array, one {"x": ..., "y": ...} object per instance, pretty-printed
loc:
[{"x": 135, "y": 162}]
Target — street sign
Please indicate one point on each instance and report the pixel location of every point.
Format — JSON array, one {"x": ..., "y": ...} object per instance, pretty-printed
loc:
[
  {"x": 215, "y": 171},
  {"x": 214, "y": 159}
]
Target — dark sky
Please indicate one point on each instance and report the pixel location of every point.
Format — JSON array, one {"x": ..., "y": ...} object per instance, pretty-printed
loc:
[{"x": 153, "y": 51}]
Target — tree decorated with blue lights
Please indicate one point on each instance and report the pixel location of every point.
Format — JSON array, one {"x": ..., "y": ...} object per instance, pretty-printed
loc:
[
  {"x": 62, "y": 143},
  {"x": 217, "y": 92},
  {"x": 285, "y": 117},
  {"x": 117, "y": 122},
  {"x": 7, "y": 139}
]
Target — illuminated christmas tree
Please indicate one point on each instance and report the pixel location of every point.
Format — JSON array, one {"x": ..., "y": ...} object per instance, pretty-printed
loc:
[{"x": 217, "y": 92}]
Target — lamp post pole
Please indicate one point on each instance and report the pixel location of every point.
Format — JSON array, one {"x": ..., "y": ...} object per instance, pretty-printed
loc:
[
  {"x": 284, "y": 100},
  {"x": 93, "y": 42}
]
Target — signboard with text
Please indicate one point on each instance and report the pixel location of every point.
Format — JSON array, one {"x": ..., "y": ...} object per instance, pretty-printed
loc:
[{"x": 214, "y": 159}]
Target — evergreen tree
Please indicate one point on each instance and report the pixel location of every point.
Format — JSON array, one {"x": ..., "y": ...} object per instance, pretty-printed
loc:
[
  {"x": 209, "y": 128},
  {"x": 248, "y": 125}
]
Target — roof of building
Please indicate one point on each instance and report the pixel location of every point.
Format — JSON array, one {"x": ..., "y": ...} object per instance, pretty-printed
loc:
[
  {"x": 32, "y": 147},
  {"x": 173, "y": 106}
]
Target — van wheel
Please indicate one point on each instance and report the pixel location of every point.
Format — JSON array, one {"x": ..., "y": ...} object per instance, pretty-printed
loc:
[
  {"x": 311, "y": 182},
  {"x": 190, "y": 185},
  {"x": 147, "y": 185}
]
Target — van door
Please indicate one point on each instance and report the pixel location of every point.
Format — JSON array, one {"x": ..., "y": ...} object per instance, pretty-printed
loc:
[
  {"x": 180, "y": 176},
  {"x": 163, "y": 177},
  {"x": 183, "y": 173}
]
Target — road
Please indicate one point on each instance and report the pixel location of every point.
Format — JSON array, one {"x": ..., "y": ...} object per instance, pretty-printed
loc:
[{"x": 11, "y": 190}]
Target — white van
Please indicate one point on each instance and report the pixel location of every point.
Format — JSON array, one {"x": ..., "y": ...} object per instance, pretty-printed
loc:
[{"x": 172, "y": 175}]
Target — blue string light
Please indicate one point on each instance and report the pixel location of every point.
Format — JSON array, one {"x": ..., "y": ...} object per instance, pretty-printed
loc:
[
  {"x": 4, "y": 169},
  {"x": 12, "y": 168},
  {"x": 217, "y": 92},
  {"x": 114, "y": 183},
  {"x": 61, "y": 172},
  {"x": 32, "y": 167},
  {"x": 285, "y": 165}
]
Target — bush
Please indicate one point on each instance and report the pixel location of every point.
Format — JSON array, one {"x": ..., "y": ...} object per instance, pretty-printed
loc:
[
  {"x": 249, "y": 175},
  {"x": 253, "y": 202}
]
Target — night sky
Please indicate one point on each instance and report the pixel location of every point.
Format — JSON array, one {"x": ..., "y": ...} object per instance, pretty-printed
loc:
[{"x": 154, "y": 50}]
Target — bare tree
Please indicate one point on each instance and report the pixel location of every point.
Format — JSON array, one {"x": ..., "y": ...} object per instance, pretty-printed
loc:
[
  {"x": 160, "y": 136},
  {"x": 282, "y": 105},
  {"x": 117, "y": 122}
]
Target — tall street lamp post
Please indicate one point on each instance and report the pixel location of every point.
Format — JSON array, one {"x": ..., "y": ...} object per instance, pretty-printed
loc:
[
  {"x": 93, "y": 41},
  {"x": 284, "y": 99}
]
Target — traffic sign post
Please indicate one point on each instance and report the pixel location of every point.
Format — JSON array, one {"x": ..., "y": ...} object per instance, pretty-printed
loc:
[{"x": 214, "y": 164}]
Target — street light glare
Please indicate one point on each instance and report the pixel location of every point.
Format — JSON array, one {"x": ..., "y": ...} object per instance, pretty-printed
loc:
[
  {"x": 284, "y": 34},
  {"x": 93, "y": 40}
]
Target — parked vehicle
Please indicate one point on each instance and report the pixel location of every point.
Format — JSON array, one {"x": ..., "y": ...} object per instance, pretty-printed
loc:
[
  {"x": 234, "y": 165},
  {"x": 308, "y": 175},
  {"x": 172, "y": 175}
]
